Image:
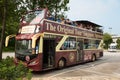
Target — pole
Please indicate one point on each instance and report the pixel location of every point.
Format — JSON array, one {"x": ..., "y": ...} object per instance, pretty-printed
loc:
[{"x": 110, "y": 30}]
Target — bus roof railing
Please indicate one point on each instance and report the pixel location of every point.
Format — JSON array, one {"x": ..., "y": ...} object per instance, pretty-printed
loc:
[{"x": 87, "y": 23}]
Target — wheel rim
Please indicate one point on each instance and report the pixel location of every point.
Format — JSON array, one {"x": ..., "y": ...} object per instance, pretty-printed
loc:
[
  {"x": 93, "y": 58},
  {"x": 61, "y": 63}
]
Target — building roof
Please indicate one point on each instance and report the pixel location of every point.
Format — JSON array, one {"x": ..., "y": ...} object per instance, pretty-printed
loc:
[{"x": 117, "y": 36}]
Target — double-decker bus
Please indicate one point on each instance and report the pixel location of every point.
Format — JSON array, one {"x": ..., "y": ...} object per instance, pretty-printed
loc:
[{"x": 43, "y": 44}]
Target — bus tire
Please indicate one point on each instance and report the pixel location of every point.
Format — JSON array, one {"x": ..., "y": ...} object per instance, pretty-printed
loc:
[
  {"x": 93, "y": 58},
  {"x": 61, "y": 63}
]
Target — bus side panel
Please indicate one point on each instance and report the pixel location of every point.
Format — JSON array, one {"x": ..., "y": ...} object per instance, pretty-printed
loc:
[
  {"x": 88, "y": 54},
  {"x": 38, "y": 66},
  {"x": 69, "y": 56}
]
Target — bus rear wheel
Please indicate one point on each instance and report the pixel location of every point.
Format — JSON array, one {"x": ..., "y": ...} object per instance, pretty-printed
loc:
[
  {"x": 61, "y": 63},
  {"x": 93, "y": 58}
]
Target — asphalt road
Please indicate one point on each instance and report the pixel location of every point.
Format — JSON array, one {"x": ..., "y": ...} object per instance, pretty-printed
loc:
[{"x": 106, "y": 68}]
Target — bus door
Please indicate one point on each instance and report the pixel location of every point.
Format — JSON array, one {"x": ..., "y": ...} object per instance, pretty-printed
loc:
[
  {"x": 80, "y": 53},
  {"x": 48, "y": 53}
]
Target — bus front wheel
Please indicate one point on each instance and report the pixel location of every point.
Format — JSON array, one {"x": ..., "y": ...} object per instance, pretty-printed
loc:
[{"x": 61, "y": 63}]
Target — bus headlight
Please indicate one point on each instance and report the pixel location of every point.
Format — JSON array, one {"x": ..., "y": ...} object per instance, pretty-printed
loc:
[
  {"x": 27, "y": 58},
  {"x": 33, "y": 63}
]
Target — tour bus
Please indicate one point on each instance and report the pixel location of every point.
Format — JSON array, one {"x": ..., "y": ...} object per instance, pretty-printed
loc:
[
  {"x": 112, "y": 47},
  {"x": 43, "y": 44}
]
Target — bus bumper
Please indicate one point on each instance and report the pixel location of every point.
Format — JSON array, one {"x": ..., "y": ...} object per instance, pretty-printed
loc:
[{"x": 33, "y": 65}]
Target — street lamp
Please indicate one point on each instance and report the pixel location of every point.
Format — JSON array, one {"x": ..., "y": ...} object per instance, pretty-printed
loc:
[{"x": 110, "y": 28}]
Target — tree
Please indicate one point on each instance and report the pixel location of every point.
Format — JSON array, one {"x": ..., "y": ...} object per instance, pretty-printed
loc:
[
  {"x": 56, "y": 7},
  {"x": 118, "y": 43},
  {"x": 3, "y": 27},
  {"x": 107, "y": 39},
  {"x": 16, "y": 8},
  {"x": 9, "y": 24}
]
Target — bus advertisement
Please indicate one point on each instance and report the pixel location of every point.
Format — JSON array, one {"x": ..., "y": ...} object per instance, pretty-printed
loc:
[{"x": 43, "y": 44}]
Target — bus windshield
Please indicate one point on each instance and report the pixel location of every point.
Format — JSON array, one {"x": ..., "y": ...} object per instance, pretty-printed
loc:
[
  {"x": 34, "y": 17},
  {"x": 24, "y": 47}
]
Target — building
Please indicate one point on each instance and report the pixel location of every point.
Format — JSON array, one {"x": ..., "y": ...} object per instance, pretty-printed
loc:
[{"x": 115, "y": 37}]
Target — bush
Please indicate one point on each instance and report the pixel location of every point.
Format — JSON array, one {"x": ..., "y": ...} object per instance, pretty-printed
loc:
[
  {"x": 9, "y": 71},
  {"x": 9, "y": 49}
]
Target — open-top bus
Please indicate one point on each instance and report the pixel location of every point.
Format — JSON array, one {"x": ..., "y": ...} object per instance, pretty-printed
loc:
[{"x": 43, "y": 44}]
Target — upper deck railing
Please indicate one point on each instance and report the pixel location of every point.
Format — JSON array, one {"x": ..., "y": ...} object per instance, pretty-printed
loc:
[{"x": 39, "y": 21}]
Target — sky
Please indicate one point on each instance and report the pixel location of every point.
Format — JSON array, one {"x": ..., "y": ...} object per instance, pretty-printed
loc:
[{"x": 103, "y": 12}]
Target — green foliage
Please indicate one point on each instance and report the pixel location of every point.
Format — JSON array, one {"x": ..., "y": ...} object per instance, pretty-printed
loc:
[
  {"x": 16, "y": 8},
  {"x": 118, "y": 43},
  {"x": 14, "y": 11},
  {"x": 9, "y": 71},
  {"x": 8, "y": 49},
  {"x": 107, "y": 39},
  {"x": 56, "y": 7}
]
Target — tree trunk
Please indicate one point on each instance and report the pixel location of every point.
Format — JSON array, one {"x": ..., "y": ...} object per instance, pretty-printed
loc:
[{"x": 3, "y": 28}]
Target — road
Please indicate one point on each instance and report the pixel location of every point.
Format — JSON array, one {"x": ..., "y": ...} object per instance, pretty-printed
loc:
[
  {"x": 106, "y": 68},
  {"x": 5, "y": 54}
]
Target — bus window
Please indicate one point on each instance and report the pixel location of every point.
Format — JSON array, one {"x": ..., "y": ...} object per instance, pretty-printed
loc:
[
  {"x": 91, "y": 44},
  {"x": 24, "y": 47},
  {"x": 86, "y": 43},
  {"x": 69, "y": 44},
  {"x": 97, "y": 42}
]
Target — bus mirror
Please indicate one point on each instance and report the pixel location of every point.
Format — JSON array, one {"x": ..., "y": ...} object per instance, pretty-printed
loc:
[{"x": 7, "y": 39}]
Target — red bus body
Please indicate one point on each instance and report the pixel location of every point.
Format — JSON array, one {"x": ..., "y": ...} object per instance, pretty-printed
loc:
[{"x": 50, "y": 36}]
